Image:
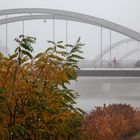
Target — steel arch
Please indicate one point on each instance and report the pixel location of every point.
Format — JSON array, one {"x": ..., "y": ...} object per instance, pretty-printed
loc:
[
  {"x": 62, "y": 14},
  {"x": 116, "y": 44},
  {"x": 129, "y": 54}
]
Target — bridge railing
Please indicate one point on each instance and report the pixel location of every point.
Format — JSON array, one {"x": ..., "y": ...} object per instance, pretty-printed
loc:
[{"x": 93, "y": 64}]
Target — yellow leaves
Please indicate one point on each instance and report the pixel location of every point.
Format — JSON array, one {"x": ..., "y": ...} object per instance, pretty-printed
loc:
[
  {"x": 61, "y": 77},
  {"x": 61, "y": 117},
  {"x": 3, "y": 133},
  {"x": 38, "y": 103},
  {"x": 71, "y": 73}
]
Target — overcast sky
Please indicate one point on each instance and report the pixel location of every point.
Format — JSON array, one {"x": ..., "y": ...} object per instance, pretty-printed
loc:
[{"x": 123, "y": 12}]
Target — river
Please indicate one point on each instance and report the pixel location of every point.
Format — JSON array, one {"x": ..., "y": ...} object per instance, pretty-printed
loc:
[{"x": 97, "y": 91}]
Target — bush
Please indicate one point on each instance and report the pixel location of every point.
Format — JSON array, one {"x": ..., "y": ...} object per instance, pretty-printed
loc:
[
  {"x": 113, "y": 122},
  {"x": 35, "y": 103}
]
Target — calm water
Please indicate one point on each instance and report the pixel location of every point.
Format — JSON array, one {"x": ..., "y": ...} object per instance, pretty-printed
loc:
[{"x": 96, "y": 91}]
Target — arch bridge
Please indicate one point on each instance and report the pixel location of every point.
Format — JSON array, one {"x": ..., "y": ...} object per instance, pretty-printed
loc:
[{"x": 98, "y": 65}]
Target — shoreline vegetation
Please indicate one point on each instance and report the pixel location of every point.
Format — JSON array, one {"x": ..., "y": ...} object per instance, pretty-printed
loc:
[{"x": 36, "y": 104}]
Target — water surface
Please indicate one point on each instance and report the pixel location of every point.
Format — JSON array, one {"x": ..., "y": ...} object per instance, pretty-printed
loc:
[{"x": 97, "y": 91}]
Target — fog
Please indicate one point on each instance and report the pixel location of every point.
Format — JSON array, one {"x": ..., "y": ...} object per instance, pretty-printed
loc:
[
  {"x": 97, "y": 91},
  {"x": 124, "y": 12},
  {"x": 92, "y": 90}
]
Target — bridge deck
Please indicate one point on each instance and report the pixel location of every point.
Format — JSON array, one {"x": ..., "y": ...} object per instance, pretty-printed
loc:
[{"x": 110, "y": 72}]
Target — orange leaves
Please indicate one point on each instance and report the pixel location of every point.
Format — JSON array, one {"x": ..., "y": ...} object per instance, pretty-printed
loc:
[
  {"x": 36, "y": 103},
  {"x": 114, "y": 122}
]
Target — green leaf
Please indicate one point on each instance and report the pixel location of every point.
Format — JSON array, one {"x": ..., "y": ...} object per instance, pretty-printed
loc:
[
  {"x": 24, "y": 59},
  {"x": 52, "y": 42},
  {"x": 27, "y": 53},
  {"x": 80, "y": 110},
  {"x": 17, "y": 40},
  {"x": 49, "y": 49},
  {"x": 72, "y": 60},
  {"x": 29, "y": 39},
  {"x": 80, "y": 44},
  {"x": 18, "y": 49},
  {"x": 61, "y": 46},
  {"x": 13, "y": 56},
  {"x": 21, "y": 36},
  {"x": 75, "y": 56},
  {"x": 26, "y": 47},
  {"x": 79, "y": 51},
  {"x": 2, "y": 90},
  {"x": 63, "y": 85},
  {"x": 60, "y": 42},
  {"x": 74, "y": 50},
  {"x": 72, "y": 75},
  {"x": 38, "y": 55},
  {"x": 69, "y": 45},
  {"x": 75, "y": 66},
  {"x": 63, "y": 53},
  {"x": 2, "y": 99}
]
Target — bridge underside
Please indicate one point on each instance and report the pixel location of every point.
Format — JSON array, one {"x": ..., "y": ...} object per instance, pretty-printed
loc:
[{"x": 111, "y": 73}]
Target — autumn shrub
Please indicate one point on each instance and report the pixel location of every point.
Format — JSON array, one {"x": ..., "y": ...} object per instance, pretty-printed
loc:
[
  {"x": 112, "y": 122},
  {"x": 35, "y": 102}
]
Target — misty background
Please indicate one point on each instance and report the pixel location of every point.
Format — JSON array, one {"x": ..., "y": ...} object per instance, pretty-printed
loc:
[{"x": 92, "y": 90}]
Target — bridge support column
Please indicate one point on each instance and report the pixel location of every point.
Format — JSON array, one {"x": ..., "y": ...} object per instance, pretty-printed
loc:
[
  {"x": 66, "y": 31},
  {"x": 53, "y": 28},
  {"x": 137, "y": 51},
  {"x": 23, "y": 27},
  {"x": 110, "y": 54},
  {"x": 101, "y": 47}
]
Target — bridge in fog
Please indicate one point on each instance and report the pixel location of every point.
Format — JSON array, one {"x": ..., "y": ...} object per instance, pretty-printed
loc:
[
  {"x": 107, "y": 68},
  {"x": 117, "y": 58}
]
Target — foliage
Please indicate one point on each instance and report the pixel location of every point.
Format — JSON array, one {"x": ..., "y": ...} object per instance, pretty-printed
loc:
[
  {"x": 136, "y": 137},
  {"x": 35, "y": 103},
  {"x": 113, "y": 122}
]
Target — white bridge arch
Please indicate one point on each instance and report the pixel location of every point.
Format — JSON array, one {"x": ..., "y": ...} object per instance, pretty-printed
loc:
[
  {"x": 114, "y": 45},
  {"x": 40, "y": 13},
  {"x": 23, "y": 14}
]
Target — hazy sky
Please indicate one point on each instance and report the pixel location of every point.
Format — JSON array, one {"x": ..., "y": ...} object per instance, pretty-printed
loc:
[{"x": 124, "y": 12}]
